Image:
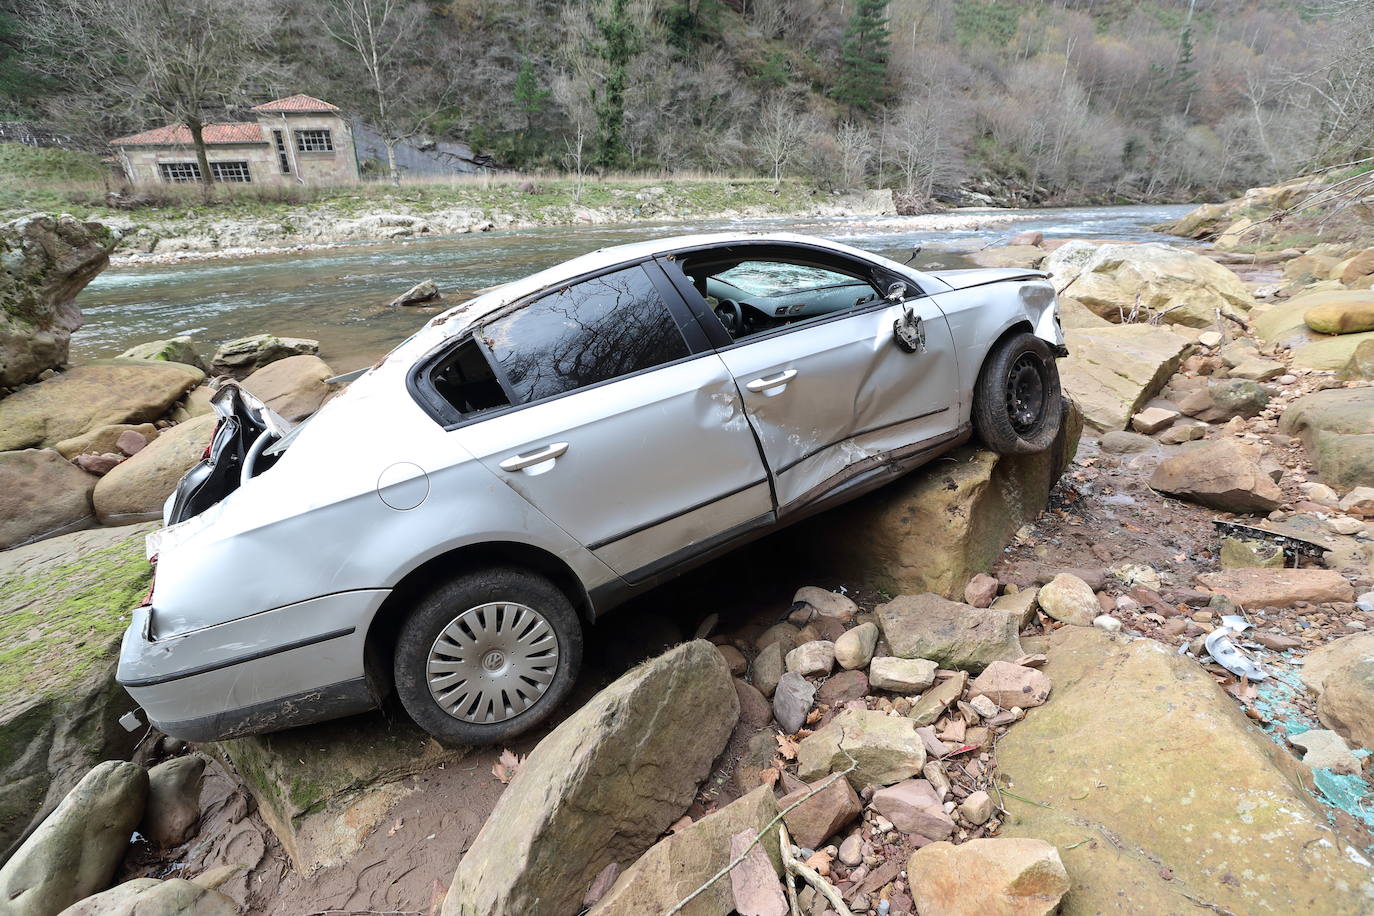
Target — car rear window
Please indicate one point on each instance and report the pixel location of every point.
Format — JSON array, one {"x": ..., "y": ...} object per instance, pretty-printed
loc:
[{"x": 592, "y": 331}]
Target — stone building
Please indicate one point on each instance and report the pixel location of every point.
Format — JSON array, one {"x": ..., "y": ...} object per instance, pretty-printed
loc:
[{"x": 295, "y": 140}]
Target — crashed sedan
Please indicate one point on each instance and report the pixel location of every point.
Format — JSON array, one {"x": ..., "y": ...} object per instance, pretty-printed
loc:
[{"x": 449, "y": 526}]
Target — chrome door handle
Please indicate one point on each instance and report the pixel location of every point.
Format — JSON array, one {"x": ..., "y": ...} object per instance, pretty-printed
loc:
[
  {"x": 773, "y": 381},
  {"x": 547, "y": 453}
]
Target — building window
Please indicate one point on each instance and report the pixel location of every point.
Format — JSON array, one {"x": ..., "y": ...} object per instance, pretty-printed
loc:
[
  {"x": 314, "y": 141},
  {"x": 230, "y": 171},
  {"x": 179, "y": 172},
  {"x": 283, "y": 159}
]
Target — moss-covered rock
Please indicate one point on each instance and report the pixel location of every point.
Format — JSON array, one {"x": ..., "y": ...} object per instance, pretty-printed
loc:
[
  {"x": 1159, "y": 792},
  {"x": 1350, "y": 317},
  {"x": 44, "y": 262},
  {"x": 172, "y": 350},
  {"x": 65, "y": 604}
]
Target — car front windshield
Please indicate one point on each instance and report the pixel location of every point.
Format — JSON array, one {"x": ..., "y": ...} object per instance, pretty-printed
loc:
[{"x": 777, "y": 278}]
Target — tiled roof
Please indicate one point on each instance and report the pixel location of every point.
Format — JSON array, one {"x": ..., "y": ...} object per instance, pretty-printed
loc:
[
  {"x": 297, "y": 102},
  {"x": 180, "y": 135}
]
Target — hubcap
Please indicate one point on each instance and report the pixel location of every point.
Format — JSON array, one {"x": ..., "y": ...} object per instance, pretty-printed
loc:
[
  {"x": 492, "y": 662},
  {"x": 1025, "y": 393}
]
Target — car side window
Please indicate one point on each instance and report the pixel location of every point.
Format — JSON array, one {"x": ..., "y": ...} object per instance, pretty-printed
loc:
[{"x": 590, "y": 332}]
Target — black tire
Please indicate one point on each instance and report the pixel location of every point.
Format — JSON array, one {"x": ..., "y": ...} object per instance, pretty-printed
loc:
[
  {"x": 1016, "y": 403},
  {"x": 463, "y": 595}
]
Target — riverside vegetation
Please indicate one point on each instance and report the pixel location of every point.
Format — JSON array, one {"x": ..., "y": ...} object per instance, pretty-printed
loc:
[{"x": 975, "y": 724}]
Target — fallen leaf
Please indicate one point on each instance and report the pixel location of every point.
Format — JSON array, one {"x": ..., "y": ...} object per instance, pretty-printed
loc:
[
  {"x": 813, "y": 716},
  {"x": 507, "y": 765},
  {"x": 820, "y": 861},
  {"x": 786, "y": 747},
  {"x": 769, "y": 777}
]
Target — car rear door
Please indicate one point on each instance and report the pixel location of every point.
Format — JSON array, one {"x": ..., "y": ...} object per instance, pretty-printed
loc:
[
  {"x": 629, "y": 438},
  {"x": 836, "y": 396}
]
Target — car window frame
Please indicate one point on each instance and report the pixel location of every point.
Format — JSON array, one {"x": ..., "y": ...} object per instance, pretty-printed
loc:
[
  {"x": 439, "y": 408},
  {"x": 875, "y": 274}
]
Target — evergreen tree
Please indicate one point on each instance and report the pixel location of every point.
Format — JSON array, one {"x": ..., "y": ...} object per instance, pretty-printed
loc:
[
  {"x": 529, "y": 97},
  {"x": 863, "y": 58},
  {"x": 620, "y": 42}
]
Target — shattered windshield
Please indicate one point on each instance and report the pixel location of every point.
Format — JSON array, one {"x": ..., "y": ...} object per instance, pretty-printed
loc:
[{"x": 777, "y": 278}]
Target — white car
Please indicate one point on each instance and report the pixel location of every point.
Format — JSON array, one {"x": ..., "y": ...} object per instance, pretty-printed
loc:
[{"x": 449, "y": 525}]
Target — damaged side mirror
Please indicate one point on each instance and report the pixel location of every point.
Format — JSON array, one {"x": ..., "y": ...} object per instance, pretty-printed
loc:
[
  {"x": 896, "y": 292},
  {"x": 908, "y": 330}
]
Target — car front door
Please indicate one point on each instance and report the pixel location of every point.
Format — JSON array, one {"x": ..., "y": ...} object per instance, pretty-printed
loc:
[
  {"x": 834, "y": 396},
  {"x": 629, "y": 439}
]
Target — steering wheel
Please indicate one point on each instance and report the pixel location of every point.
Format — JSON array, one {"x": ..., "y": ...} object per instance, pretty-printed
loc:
[{"x": 730, "y": 315}]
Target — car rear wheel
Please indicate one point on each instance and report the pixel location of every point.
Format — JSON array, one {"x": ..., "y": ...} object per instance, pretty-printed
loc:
[
  {"x": 487, "y": 655},
  {"x": 1016, "y": 404}
]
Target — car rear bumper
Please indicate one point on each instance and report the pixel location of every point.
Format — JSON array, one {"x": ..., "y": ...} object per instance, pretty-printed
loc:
[{"x": 267, "y": 671}]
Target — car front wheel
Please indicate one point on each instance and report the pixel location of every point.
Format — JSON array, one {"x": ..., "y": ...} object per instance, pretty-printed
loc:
[
  {"x": 487, "y": 655},
  {"x": 1016, "y": 404}
]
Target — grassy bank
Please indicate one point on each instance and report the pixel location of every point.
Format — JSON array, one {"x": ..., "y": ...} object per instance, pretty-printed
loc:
[{"x": 66, "y": 181}]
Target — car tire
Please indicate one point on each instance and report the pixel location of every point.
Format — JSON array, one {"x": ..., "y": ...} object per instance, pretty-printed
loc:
[
  {"x": 479, "y": 642},
  {"x": 1017, "y": 407}
]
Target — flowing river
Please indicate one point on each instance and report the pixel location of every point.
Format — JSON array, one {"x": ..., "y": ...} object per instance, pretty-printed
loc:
[{"x": 339, "y": 296}]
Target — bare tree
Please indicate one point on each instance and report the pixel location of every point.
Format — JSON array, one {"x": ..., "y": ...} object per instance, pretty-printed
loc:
[
  {"x": 855, "y": 146},
  {"x": 174, "y": 58},
  {"x": 923, "y": 144},
  {"x": 390, "y": 79},
  {"x": 781, "y": 132}
]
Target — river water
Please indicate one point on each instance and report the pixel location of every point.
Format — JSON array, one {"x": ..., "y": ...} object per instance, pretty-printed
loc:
[{"x": 339, "y": 296}]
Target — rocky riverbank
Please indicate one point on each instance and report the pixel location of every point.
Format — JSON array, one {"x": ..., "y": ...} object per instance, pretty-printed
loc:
[{"x": 1129, "y": 675}]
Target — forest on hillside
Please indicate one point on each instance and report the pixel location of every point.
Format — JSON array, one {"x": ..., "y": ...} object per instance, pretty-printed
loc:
[{"x": 1035, "y": 101}]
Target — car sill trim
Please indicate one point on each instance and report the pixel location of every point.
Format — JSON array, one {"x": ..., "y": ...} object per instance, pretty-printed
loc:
[
  {"x": 606, "y": 542},
  {"x": 691, "y": 551},
  {"x": 236, "y": 660}
]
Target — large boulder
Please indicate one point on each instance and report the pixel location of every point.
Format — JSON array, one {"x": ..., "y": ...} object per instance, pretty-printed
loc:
[
  {"x": 42, "y": 495},
  {"x": 1221, "y": 474},
  {"x": 1217, "y": 401},
  {"x": 294, "y": 387},
  {"x": 134, "y": 490},
  {"x": 953, "y": 634},
  {"x": 676, "y": 866},
  {"x": 44, "y": 263},
  {"x": 151, "y": 897},
  {"x": 104, "y": 439},
  {"x": 1337, "y": 427},
  {"x": 75, "y": 851},
  {"x": 67, "y": 602},
  {"x": 601, "y": 787},
  {"x": 1150, "y": 279},
  {"x": 172, "y": 350},
  {"x": 1006, "y": 875},
  {"x": 173, "y": 801},
  {"x": 1141, "y": 746},
  {"x": 1341, "y": 318},
  {"x": 1111, "y": 372},
  {"x": 936, "y": 528},
  {"x": 322, "y": 788},
  {"x": 238, "y": 358},
  {"x": 1361, "y": 364},
  {"x": 1027, "y": 256},
  {"x": 1341, "y": 673},
  {"x": 87, "y": 397},
  {"x": 1286, "y": 324}
]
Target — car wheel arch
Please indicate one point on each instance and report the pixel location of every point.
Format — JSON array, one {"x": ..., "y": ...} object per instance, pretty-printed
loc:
[{"x": 386, "y": 622}]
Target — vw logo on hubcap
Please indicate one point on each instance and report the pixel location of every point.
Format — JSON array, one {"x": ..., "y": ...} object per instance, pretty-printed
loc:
[{"x": 494, "y": 660}]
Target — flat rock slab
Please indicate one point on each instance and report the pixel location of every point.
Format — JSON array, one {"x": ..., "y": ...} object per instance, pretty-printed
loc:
[
  {"x": 1140, "y": 745},
  {"x": 1112, "y": 371},
  {"x": 66, "y": 602},
  {"x": 601, "y": 787},
  {"x": 99, "y": 394},
  {"x": 884, "y": 749},
  {"x": 1341, "y": 673},
  {"x": 952, "y": 634},
  {"x": 136, "y": 489},
  {"x": 1256, "y": 588},
  {"x": 322, "y": 788},
  {"x": 42, "y": 495}
]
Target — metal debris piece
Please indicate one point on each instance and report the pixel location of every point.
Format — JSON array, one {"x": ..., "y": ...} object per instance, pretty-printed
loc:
[
  {"x": 1221, "y": 646},
  {"x": 1293, "y": 547}
]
